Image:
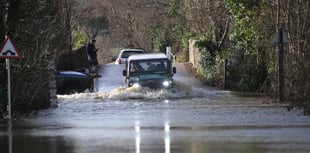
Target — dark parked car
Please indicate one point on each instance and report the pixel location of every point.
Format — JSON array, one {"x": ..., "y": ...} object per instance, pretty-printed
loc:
[{"x": 69, "y": 82}]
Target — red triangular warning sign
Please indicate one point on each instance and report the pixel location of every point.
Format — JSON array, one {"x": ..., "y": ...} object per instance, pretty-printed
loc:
[{"x": 8, "y": 49}]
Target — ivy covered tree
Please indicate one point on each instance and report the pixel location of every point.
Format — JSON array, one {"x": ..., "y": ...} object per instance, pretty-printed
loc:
[{"x": 245, "y": 46}]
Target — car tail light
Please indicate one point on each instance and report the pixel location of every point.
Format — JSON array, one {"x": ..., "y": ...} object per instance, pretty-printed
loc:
[{"x": 119, "y": 61}]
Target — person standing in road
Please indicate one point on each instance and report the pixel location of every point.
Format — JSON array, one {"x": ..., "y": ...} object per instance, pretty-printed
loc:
[{"x": 92, "y": 56}]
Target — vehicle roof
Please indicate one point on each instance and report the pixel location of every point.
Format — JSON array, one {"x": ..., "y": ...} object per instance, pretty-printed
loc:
[
  {"x": 148, "y": 56},
  {"x": 71, "y": 73},
  {"x": 132, "y": 50}
]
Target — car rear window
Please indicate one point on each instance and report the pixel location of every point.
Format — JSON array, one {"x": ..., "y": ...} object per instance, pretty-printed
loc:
[{"x": 126, "y": 54}]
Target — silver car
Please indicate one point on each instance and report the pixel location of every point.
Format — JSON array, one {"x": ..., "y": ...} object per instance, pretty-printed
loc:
[{"x": 125, "y": 53}]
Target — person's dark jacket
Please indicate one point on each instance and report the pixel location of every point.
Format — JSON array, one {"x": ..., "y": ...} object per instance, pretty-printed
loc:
[{"x": 91, "y": 51}]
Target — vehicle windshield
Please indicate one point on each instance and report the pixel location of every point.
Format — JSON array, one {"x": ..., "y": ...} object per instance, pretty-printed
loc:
[
  {"x": 149, "y": 66},
  {"x": 126, "y": 54}
]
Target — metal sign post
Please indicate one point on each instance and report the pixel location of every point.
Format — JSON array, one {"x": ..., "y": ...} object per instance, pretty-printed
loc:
[
  {"x": 280, "y": 39},
  {"x": 8, "y": 67},
  {"x": 281, "y": 66}
]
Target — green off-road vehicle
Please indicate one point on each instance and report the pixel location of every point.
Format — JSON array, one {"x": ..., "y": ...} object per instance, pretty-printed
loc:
[{"x": 149, "y": 70}]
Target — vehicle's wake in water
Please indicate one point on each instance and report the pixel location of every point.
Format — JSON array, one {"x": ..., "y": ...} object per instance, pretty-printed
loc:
[{"x": 180, "y": 90}]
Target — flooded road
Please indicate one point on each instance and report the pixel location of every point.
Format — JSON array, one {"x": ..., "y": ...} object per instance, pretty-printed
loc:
[{"x": 189, "y": 119}]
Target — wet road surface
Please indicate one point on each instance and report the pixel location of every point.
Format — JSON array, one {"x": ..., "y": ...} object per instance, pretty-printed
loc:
[{"x": 189, "y": 119}]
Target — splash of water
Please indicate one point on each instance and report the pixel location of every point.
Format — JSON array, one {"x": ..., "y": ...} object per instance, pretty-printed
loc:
[{"x": 180, "y": 90}]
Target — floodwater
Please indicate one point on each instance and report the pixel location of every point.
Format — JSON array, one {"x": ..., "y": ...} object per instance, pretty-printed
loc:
[{"x": 189, "y": 119}]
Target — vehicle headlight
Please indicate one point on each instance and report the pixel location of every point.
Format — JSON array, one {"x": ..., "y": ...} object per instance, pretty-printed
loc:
[
  {"x": 136, "y": 85},
  {"x": 166, "y": 83}
]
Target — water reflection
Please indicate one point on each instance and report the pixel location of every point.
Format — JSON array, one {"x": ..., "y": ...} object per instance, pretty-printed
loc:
[
  {"x": 167, "y": 128},
  {"x": 167, "y": 140},
  {"x": 138, "y": 136},
  {"x": 10, "y": 138},
  {"x": 167, "y": 137}
]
